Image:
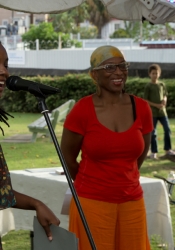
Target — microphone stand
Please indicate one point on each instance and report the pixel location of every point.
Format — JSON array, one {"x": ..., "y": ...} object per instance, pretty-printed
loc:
[{"x": 44, "y": 111}]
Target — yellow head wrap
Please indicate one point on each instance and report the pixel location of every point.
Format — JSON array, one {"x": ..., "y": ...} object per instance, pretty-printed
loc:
[{"x": 104, "y": 53}]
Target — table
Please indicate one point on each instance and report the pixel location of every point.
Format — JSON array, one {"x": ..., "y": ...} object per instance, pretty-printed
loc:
[
  {"x": 50, "y": 188},
  {"x": 158, "y": 209},
  {"x": 7, "y": 222}
]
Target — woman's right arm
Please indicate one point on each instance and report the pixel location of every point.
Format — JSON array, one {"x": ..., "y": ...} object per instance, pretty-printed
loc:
[{"x": 70, "y": 146}]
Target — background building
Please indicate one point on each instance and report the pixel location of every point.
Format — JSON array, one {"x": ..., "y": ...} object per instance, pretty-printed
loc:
[
  {"x": 110, "y": 27},
  {"x": 18, "y": 22}
]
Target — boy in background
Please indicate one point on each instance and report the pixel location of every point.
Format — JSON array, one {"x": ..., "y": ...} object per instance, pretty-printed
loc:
[{"x": 156, "y": 95}]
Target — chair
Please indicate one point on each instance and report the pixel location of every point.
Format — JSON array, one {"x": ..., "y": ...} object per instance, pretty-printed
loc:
[
  {"x": 170, "y": 188},
  {"x": 57, "y": 115}
]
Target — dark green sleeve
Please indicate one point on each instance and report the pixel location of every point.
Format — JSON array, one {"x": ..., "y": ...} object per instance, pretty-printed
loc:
[{"x": 146, "y": 92}]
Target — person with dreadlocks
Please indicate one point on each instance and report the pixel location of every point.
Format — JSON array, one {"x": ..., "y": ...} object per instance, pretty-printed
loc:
[
  {"x": 8, "y": 196},
  {"x": 112, "y": 129}
]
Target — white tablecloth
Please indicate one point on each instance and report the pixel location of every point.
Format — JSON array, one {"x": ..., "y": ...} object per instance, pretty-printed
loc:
[
  {"x": 7, "y": 222},
  {"x": 51, "y": 188}
]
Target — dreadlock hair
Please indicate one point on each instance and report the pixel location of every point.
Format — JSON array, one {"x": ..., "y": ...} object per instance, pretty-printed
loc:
[
  {"x": 4, "y": 118},
  {"x": 3, "y": 115}
]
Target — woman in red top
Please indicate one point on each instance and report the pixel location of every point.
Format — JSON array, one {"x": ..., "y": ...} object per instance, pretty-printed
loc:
[{"x": 112, "y": 130}]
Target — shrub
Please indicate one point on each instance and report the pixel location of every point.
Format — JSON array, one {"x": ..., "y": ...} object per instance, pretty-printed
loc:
[
  {"x": 75, "y": 86},
  {"x": 72, "y": 86}
]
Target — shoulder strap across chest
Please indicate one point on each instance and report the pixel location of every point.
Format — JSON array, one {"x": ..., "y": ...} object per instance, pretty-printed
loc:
[{"x": 133, "y": 106}]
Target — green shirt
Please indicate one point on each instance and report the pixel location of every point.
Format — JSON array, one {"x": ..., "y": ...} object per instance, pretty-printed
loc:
[{"x": 155, "y": 92}]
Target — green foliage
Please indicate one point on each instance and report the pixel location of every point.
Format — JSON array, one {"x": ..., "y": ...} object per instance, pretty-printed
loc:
[
  {"x": 169, "y": 32},
  {"x": 136, "y": 85},
  {"x": 100, "y": 6},
  {"x": 75, "y": 86},
  {"x": 68, "y": 21},
  {"x": 131, "y": 30},
  {"x": 98, "y": 14},
  {"x": 157, "y": 243},
  {"x": 62, "y": 22},
  {"x": 44, "y": 32},
  {"x": 90, "y": 10},
  {"x": 88, "y": 32},
  {"x": 20, "y": 240},
  {"x": 80, "y": 13},
  {"x": 65, "y": 40},
  {"x": 120, "y": 33},
  {"x": 48, "y": 38},
  {"x": 144, "y": 31},
  {"x": 77, "y": 44},
  {"x": 157, "y": 32}
]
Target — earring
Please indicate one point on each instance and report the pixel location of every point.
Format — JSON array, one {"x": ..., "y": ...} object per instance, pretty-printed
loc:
[{"x": 98, "y": 90}]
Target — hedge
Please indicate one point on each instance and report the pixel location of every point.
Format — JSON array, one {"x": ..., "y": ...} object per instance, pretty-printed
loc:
[{"x": 74, "y": 86}]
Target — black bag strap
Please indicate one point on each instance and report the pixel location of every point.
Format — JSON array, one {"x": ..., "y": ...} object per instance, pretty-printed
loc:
[{"x": 133, "y": 106}]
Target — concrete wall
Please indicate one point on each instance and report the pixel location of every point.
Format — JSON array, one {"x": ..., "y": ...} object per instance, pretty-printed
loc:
[{"x": 77, "y": 60}]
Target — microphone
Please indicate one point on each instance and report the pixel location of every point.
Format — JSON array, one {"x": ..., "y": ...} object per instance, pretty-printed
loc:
[{"x": 16, "y": 83}]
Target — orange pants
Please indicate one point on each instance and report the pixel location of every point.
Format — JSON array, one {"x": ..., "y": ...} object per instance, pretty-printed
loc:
[{"x": 113, "y": 226}]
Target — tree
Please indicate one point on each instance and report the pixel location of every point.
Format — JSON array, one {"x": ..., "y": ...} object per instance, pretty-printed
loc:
[
  {"x": 93, "y": 11},
  {"x": 88, "y": 32},
  {"x": 69, "y": 21},
  {"x": 98, "y": 14},
  {"x": 157, "y": 32},
  {"x": 144, "y": 31},
  {"x": 148, "y": 31},
  {"x": 48, "y": 38},
  {"x": 169, "y": 32},
  {"x": 131, "y": 30},
  {"x": 80, "y": 13},
  {"x": 62, "y": 22}
]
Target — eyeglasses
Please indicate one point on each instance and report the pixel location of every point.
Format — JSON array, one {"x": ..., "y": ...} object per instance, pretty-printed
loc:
[{"x": 110, "y": 68}]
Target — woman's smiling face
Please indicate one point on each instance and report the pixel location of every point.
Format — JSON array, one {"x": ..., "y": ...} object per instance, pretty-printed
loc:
[
  {"x": 3, "y": 68},
  {"x": 112, "y": 82}
]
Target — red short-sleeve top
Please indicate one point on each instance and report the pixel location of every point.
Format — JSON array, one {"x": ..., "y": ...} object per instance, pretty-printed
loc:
[{"x": 108, "y": 168}]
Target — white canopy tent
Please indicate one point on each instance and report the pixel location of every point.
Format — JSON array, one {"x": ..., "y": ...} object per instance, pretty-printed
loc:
[
  {"x": 40, "y": 6},
  {"x": 155, "y": 11}
]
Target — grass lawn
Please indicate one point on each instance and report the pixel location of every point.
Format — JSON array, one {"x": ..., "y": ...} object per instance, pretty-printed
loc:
[{"x": 33, "y": 155}]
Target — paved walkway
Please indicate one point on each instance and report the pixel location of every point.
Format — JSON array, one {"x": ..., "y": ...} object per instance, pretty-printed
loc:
[{"x": 18, "y": 138}]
